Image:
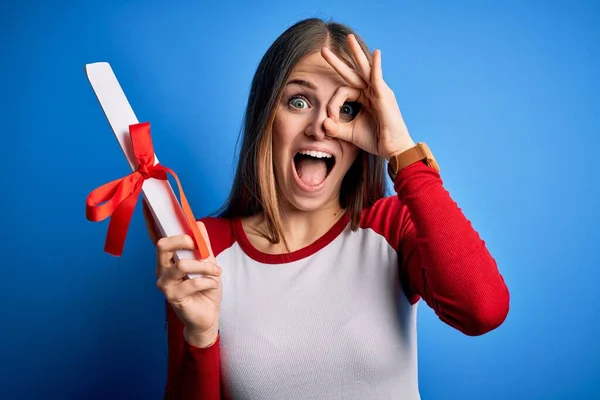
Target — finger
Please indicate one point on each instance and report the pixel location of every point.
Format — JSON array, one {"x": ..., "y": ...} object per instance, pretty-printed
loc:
[
  {"x": 360, "y": 57},
  {"x": 188, "y": 266},
  {"x": 338, "y": 130},
  {"x": 341, "y": 95},
  {"x": 178, "y": 272},
  {"x": 169, "y": 275},
  {"x": 150, "y": 224},
  {"x": 352, "y": 77},
  {"x": 204, "y": 233},
  {"x": 166, "y": 247},
  {"x": 377, "y": 81},
  {"x": 177, "y": 293}
]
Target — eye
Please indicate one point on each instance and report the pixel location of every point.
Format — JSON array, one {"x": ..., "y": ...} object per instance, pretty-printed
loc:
[
  {"x": 298, "y": 101},
  {"x": 350, "y": 109}
]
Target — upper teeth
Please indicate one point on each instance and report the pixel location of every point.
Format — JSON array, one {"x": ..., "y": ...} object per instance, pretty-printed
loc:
[{"x": 314, "y": 153}]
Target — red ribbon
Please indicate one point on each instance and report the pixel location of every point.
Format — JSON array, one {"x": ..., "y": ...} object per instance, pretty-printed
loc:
[{"x": 120, "y": 196}]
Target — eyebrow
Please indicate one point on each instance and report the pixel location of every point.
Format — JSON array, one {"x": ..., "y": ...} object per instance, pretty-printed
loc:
[{"x": 304, "y": 83}]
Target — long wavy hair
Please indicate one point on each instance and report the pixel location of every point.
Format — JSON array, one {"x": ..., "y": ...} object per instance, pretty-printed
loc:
[{"x": 254, "y": 187}]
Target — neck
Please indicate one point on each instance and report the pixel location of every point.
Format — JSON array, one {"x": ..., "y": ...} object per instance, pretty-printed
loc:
[{"x": 300, "y": 228}]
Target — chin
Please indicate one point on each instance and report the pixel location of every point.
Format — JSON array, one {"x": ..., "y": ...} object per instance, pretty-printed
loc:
[{"x": 308, "y": 203}]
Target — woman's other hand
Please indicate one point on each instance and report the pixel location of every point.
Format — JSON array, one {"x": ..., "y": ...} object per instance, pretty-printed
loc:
[{"x": 196, "y": 301}]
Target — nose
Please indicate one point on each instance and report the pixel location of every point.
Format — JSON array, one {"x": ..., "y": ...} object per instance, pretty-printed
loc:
[{"x": 316, "y": 128}]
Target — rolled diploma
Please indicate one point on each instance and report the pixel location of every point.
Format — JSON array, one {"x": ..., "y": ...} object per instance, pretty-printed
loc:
[{"x": 159, "y": 194}]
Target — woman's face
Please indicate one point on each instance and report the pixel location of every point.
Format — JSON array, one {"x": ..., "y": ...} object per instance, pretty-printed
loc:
[{"x": 309, "y": 166}]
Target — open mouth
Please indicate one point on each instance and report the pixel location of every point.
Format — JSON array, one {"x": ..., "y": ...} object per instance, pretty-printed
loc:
[{"x": 313, "y": 167}]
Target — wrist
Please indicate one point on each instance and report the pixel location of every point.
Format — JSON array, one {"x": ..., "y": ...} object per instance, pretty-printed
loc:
[
  {"x": 403, "y": 158},
  {"x": 400, "y": 148},
  {"x": 201, "y": 339}
]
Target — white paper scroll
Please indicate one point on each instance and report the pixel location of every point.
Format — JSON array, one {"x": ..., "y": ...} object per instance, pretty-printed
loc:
[{"x": 163, "y": 204}]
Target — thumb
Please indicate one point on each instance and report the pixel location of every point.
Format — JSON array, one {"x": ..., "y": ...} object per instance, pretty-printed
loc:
[
  {"x": 204, "y": 233},
  {"x": 338, "y": 130}
]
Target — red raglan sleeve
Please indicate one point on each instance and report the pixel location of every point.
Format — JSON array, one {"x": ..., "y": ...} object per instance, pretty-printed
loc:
[
  {"x": 194, "y": 373},
  {"x": 443, "y": 259}
]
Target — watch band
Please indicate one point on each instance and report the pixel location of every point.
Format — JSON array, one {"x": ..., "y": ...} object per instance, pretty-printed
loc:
[{"x": 419, "y": 152}]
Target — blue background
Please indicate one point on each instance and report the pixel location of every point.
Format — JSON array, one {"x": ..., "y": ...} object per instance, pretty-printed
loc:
[{"x": 505, "y": 93}]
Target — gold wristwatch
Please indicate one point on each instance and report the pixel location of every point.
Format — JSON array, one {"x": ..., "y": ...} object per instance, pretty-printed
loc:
[{"x": 420, "y": 152}]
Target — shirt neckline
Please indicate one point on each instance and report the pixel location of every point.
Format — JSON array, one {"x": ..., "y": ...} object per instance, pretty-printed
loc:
[{"x": 267, "y": 258}]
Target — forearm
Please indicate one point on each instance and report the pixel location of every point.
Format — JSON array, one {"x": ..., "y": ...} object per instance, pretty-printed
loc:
[{"x": 445, "y": 260}]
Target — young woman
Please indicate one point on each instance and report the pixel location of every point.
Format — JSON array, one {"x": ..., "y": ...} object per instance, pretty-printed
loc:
[{"x": 315, "y": 273}]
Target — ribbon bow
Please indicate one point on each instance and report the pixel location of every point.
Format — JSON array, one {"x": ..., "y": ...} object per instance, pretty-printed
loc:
[{"x": 120, "y": 196}]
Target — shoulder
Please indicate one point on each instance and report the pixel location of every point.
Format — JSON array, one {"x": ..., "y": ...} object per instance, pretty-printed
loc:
[
  {"x": 387, "y": 217},
  {"x": 220, "y": 233}
]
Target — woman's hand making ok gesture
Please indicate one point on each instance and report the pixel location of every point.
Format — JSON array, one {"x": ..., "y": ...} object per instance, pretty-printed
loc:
[{"x": 379, "y": 127}]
